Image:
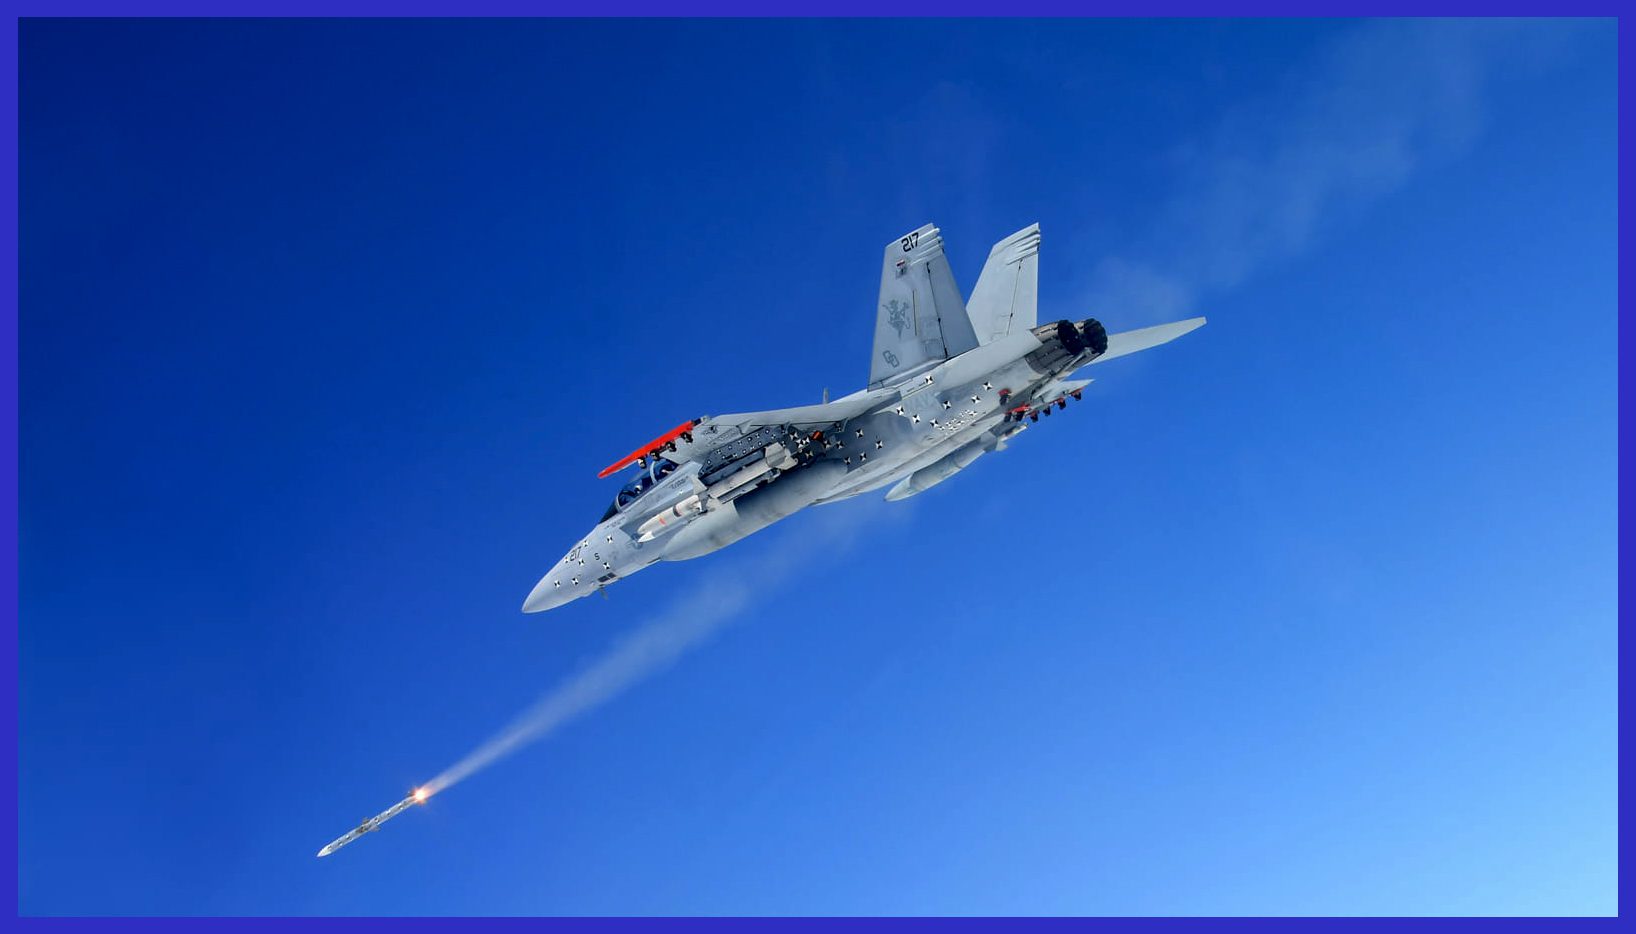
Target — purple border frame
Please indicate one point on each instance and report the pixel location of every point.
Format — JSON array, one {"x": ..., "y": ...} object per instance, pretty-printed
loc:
[{"x": 9, "y": 413}]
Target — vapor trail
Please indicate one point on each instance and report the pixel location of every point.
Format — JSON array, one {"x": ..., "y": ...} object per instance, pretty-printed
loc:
[
  {"x": 652, "y": 647},
  {"x": 658, "y": 643}
]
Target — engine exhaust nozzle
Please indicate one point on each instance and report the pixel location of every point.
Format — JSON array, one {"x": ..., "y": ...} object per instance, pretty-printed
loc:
[
  {"x": 1069, "y": 336},
  {"x": 1094, "y": 335}
]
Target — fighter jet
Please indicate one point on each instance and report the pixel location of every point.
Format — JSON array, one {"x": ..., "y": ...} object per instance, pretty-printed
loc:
[{"x": 949, "y": 381}]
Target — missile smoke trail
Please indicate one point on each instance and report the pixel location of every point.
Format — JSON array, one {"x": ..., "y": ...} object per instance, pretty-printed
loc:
[
  {"x": 654, "y": 646},
  {"x": 658, "y": 643}
]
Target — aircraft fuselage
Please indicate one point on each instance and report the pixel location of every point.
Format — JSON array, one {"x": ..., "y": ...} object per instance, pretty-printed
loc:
[{"x": 953, "y": 411}]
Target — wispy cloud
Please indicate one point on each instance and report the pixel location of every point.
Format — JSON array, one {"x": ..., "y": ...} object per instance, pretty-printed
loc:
[{"x": 1352, "y": 124}]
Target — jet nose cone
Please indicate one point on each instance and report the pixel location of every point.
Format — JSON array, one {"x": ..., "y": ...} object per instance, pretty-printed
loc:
[
  {"x": 551, "y": 591},
  {"x": 544, "y": 596}
]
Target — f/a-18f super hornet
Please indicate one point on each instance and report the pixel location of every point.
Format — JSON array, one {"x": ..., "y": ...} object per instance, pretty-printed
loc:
[{"x": 949, "y": 381}]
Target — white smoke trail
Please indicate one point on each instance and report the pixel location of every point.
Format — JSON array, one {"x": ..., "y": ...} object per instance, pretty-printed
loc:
[{"x": 657, "y": 644}]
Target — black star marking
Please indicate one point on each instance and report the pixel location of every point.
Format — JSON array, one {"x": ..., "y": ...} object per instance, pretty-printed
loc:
[
  {"x": 862, "y": 458},
  {"x": 900, "y": 410},
  {"x": 947, "y": 404},
  {"x": 914, "y": 419},
  {"x": 556, "y": 583},
  {"x": 573, "y": 580},
  {"x": 928, "y": 379},
  {"x": 610, "y": 538},
  {"x": 847, "y": 461},
  {"x": 976, "y": 398},
  {"x": 934, "y": 423},
  {"x": 987, "y": 385},
  {"x": 860, "y": 432},
  {"x": 879, "y": 444}
]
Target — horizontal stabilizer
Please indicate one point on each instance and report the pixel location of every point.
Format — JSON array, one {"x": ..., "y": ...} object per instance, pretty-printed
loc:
[{"x": 1129, "y": 342}]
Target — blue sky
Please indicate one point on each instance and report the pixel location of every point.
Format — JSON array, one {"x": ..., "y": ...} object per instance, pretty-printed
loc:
[{"x": 327, "y": 328}]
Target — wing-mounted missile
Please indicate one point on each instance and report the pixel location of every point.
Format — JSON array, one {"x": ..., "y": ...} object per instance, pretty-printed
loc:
[
  {"x": 738, "y": 453},
  {"x": 758, "y": 508},
  {"x": 722, "y": 479},
  {"x": 671, "y": 518},
  {"x": 732, "y": 455}
]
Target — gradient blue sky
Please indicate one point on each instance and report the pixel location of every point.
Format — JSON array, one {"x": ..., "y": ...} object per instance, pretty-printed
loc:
[{"x": 327, "y": 328}]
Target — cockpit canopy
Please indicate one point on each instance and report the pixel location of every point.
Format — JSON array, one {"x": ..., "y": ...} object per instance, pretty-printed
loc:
[{"x": 657, "y": 469}]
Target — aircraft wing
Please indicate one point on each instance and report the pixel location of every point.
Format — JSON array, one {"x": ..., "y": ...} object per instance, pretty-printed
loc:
[
  {"x": 1129, "y": 342},
  {"x": 719, "y": 438},
  {"x": 803, "y": 415}
]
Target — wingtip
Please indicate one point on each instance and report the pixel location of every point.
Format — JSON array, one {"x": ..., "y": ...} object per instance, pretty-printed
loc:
[{"x": 1187, "y": 326}]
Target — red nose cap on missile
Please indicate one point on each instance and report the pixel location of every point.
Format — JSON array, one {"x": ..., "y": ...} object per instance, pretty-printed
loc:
[{"x": 652, "y": 447}]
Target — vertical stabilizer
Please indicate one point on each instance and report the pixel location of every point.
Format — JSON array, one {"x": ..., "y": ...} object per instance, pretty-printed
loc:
[
  {"x": 920, "y": 316},
  {"x": 1007, "y": 293}
]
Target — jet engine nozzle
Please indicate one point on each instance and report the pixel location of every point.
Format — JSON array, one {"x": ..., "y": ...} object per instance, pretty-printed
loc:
[
  {"x": 1094, "y": 335},
  {"x": 1069, "y": 336}
]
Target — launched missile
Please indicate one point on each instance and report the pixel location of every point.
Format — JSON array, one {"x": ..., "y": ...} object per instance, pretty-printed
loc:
[{"x": 418, "y": 796}]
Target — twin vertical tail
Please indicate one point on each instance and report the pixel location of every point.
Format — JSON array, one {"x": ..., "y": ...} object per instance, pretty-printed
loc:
[
  {"x": 920, "y": 316},
  {"x": 1007, "y": 294}
]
